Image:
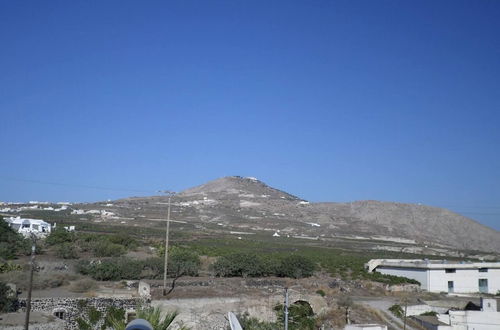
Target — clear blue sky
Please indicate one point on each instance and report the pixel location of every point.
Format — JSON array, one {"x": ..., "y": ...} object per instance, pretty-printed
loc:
[{"x": 328, "y": 100}]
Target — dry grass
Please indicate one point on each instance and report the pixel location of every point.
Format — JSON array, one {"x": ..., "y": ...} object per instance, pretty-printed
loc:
[
  {"x": 83, "y": 285},
  {"x": 44, "y": 280}
]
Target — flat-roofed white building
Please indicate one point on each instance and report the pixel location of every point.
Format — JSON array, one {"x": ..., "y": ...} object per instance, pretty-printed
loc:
[
  {"x": 442, "y": 275},
  {"x": 26, "y": 227}
]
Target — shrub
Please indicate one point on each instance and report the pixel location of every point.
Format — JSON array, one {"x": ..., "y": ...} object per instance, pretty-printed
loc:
[
  {"x": 321, "y": 292},
  {"x": 296, "y": 266},
  {"x": 108, "y": 249},
  {"x": 122, "y": 239},
  {"x": 7, "y": 299},
  {"x": 390, "y": 279},
  {"x": 66, "y": 251},
  {"x": 430, "y": 313},
  {"x": 9, "y": 266},
  {"x": 83, "y": 285},
  {"x": 239, "y": 264},
  {"x": 153, "y": 268},
  {"x": 40, "y": 280},
  {"x": 60, "y": 236},
  {"x": 253, "y": 265},
  {"x": 111, "y": 270},
  {"x": 253, "y": 323},
  {"x": 183, "y": 262},
  {"x": 11, "y": 242},
  {"x": 300, "y": 316},
  {"x": 397, "y": 310}
]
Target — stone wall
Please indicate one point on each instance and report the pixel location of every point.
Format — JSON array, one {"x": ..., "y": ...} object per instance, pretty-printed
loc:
[{"x": 72, "y": 308}]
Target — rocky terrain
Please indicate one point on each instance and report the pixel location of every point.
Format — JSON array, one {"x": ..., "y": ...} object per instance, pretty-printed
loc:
[
  {"x": 250, "y": 204},
  {"x": 246, "y": 206}
]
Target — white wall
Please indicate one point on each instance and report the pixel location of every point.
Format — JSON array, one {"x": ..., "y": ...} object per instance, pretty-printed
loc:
[
  {"x": 419, "y": 309},
  {"x": 436, "y": 280},
  {"x": 476, "y": 320},
  {"x": 464, "y": 280}
]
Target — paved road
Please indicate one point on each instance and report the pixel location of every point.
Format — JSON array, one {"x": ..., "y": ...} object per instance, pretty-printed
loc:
[{"x": 382, "y": 305}]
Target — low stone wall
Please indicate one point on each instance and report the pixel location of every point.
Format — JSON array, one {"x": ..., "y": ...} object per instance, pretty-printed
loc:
[{"x": 72, "y": 308}]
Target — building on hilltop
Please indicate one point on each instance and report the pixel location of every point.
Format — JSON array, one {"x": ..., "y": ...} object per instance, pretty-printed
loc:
[{"x": 443, "y": 275}]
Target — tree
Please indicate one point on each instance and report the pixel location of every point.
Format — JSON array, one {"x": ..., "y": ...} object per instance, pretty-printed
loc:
[
  {"x": 296, "y": 266},
  {"x": 60, "y": 236},
  {"x": 7, "y": 299},
  {"x": 11, "y": 242},
  {"x": 300, "y": 316},
  {"x": 182, "y": 262}
]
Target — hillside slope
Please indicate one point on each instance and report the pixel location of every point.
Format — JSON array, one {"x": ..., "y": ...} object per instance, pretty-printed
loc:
[{"x": 247, "y": 203}]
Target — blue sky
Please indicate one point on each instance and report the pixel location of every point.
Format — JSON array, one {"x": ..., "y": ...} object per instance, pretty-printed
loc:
[{"x": 328, "y": 100}]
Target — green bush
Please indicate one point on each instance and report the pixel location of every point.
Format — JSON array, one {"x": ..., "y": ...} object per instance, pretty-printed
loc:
[
  {"x": 66, "y": 251},
  {"x": 7, "y": 299},
  {"x": 321, "y": 292},
  {"x": 300, "y": 316},
  {"x": 11, "y": 242},
  {"x": 390, "y": 279},
  {"x": 254, "y": 265},
  {"x": 9, "y": 266},
  {"x": 122, "y": 239},
  {"x": 182, "y": 262},
  {"x": 60, "y": 236},
  {"x": 252, "y": 323},
  {"x": 296, "y": 266},
  {"x": 108, "y": 249},
  {"x": 397, "y": 310},
  {"x": 431, "y": 313},
  {"x": 112, "y": 269}
]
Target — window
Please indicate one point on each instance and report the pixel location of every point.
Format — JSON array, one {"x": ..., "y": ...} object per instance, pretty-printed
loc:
[
  {"x": 59, "y": 315},
  {"x": 450, "y": 286},
  {"x": 483, "y": 285},
  {"x": 450, "y": 270},
  {"x": 483, "y": 270}
]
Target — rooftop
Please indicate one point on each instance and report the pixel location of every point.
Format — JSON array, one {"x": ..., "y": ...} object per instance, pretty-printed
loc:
[{"x": 428, "y": 264}]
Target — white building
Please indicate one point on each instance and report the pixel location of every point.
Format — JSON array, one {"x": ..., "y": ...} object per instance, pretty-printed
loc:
[
  {"x": 442, "y": 275},
  {"x": 488, "y": 318},
  {"x": 26, "y": 227}
]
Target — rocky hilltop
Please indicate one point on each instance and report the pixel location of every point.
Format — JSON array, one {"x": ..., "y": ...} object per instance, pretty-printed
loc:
[{"x": 239, "y": 203}]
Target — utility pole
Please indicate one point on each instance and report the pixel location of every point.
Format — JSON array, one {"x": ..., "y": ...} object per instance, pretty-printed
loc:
[
  {"x": 169, "y": 194},
  {"x": 28, "y": 300},
  {"x": 286, "y": 308},
  {"x": 406, "y": 308}
]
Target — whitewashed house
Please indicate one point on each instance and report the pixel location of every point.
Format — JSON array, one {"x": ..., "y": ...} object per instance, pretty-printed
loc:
[
  {"x": 487, "y": 318},
  {"x": 26, "y": 227},
  {"x": 442, "y": 275}
]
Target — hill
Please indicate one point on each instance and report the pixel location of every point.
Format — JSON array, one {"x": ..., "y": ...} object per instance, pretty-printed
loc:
[{"x": 247, "y": 203}]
